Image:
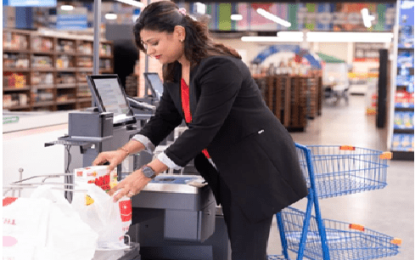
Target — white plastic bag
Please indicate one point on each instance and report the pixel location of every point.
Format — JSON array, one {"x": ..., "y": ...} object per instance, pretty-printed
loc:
[
  {"x": 98, "y": 210},
  {"x": 45, "y": 227}
]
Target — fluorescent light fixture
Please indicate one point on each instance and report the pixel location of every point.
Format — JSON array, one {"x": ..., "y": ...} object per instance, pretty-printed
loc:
[
  {"x": 349, "y": 36},
  {"x": 273, "y": 17},
  {"x": 67, "y": 7},
  {"x": 132, "y": 2},
  {"x": 110, "y": 16},
  {"x": 236, "y": 17},
  {"x": 367, "y": 19},
  {"x": 322, "y": 37},
  {"x": 281, "y": 37},
  {"x": 200, "y": 8}
]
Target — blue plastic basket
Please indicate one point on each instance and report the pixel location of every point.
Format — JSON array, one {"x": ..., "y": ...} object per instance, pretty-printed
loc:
[
  {"x": 344, "y": 240},
  {"x": 342, "y": 170}
]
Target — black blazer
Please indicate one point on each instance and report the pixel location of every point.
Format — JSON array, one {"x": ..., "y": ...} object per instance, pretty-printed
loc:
[{"x": 254, "y": 154}]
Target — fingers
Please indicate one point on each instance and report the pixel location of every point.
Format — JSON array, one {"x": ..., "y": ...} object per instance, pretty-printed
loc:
[{"x": 99, "y": 160}]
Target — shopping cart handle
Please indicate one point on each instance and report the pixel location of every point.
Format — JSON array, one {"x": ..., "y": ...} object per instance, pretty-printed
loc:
[
  {"x": 347, "y": 148},
  {"x": 386, "y": 156},
  {"x": 396, "y": 241}
]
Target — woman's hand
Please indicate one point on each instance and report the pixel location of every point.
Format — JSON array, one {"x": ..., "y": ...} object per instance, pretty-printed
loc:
[
  {"x": 113, "y": 157},
  {"x": 130, "y": 186}
]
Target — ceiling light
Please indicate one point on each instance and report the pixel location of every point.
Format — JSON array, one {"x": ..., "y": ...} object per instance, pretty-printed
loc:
[
  {"x": 132, "y": 2},
  {"x": 236, "y": 17},
  {"x": 200, "y": 8},
  {"x": 110, "y": 16},
  {"x": 367, "y": 19},
  {"x": 67, "y": 7},
  {"x": 273, "y": 17}
]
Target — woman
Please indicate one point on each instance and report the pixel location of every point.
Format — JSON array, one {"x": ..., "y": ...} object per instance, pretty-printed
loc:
[{"x": 243, "y": 152}]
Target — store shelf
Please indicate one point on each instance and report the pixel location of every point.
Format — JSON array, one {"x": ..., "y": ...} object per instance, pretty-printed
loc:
[
  {"x": 16, "y": 89},
  {"x": 67, "y": 53},
  {"x": 66, "y": 86},
  {"x": 44, "y": 104},
  {"x": 5, "y": 69},
  {"x": 406, "y": 48},
  {"x": 78, "y": 51},
  {"x": 66, "y": 102},
  {"x": 404, "y": 109},
  {"x": 43, "y": 52},
  {"x": 43, "y": 86},
  {"x": 85, "y": 69},
  {"x": 51, "y": 69},
  {"x": 403, "y": 131},
  {"x": 16, "y": 51},
  {"x": 66, "y": 69},
  {"x": 403, "y": 155},
  {"x": 16, "y": 107}
]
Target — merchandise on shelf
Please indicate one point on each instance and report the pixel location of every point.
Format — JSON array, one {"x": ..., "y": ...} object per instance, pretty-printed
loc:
[
  {"x": 64, "y": 62},
  {"x": 65, "y": 46},
  {"x": 42, "y": 44},
  {"x": 404, "y": 120},
  {"x": 42, "y": 62},
  {"x": 42, "y": 95},
  {"x": 14, "y": 41},
  {"x": 83, "y": 91},
  {"x": 105, "y": 64},
  {"x": 85, "y": 62},
  {"x": 42, "y": 78},
  {"x": 105, "y": 49},
  {"x": 85, "y": 48},
  {"x": 11, "y": 60},
  {"x": 65, "y": 78},
  {"x": 14, "y": 80},
  {"x": 65, "y": 97},
  {"x": 404, "y": 99},
  {"x": 405, "y": 59},
  {"x": 15, "y": 99},
  {"x": 403, "y": 142}
]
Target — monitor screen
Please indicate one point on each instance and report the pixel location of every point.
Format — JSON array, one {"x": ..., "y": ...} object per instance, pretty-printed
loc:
[
  {"x": 110, "y": 96},
  {"x": 155, "y": 83}
]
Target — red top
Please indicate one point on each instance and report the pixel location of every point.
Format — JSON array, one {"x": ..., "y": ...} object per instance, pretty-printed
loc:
[{"x": 186, "y": 108}]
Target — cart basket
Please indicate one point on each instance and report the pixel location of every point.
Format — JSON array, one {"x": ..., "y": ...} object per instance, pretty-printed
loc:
[
  {"x": 344, "y": 240},
  {"x": 343, "y": 170}
]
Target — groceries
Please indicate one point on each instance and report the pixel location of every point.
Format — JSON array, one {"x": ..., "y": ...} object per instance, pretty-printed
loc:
[{"x": 99, "y": 175}]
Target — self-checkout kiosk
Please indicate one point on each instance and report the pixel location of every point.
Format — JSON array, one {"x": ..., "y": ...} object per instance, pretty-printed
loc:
[{"x": 172, "y": 217}]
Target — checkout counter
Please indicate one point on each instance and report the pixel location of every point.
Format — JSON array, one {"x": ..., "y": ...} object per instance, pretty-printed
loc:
[{"x": 172, "y": 219}]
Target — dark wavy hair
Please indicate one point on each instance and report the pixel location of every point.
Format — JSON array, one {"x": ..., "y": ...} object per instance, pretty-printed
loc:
[{"x": 163, "y": 16}]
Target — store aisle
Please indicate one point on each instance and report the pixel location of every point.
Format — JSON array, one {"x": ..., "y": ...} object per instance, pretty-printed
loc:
[{"x": 389, "y": 210}]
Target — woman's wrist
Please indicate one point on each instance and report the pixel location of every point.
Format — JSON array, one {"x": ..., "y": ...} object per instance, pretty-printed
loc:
[{"x": 125, "y": 151}]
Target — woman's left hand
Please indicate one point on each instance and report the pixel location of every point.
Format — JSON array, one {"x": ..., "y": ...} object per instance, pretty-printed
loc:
[{"x": 130, "y": 186}]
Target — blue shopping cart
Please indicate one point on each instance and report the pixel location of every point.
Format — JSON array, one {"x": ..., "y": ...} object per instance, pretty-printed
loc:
[{"x": 332, "y": 171}]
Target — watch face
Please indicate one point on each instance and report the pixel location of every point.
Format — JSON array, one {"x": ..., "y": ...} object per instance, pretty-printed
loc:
[{"x": 148, "y": 172}]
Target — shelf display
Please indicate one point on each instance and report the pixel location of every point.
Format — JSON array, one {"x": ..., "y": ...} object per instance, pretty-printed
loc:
[
  {"x": 13, "y": 60},
  {"x": 42, "y": 44},
  {"x": 401, "y": 134},
  {"x": 48, "y": 73},
  {"x": 14, "y": 80}
]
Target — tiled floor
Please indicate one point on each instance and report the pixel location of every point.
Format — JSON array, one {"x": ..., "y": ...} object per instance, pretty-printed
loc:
[{"x": 390, "y": 210}]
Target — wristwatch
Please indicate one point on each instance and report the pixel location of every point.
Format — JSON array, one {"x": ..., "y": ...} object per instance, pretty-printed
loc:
[{"x": 148, "y": 172}]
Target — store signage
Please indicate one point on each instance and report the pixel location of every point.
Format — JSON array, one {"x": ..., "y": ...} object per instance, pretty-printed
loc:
[
  {"x": 76, "y": 19},
  {"x": 30, "y": 3},
  {"x": 310, "y": 16}
]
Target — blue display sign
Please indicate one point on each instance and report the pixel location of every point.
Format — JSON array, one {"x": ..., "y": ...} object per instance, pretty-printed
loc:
[
  {"x": 76, "y": 19},
  {"x": 30, "y": 3}
]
